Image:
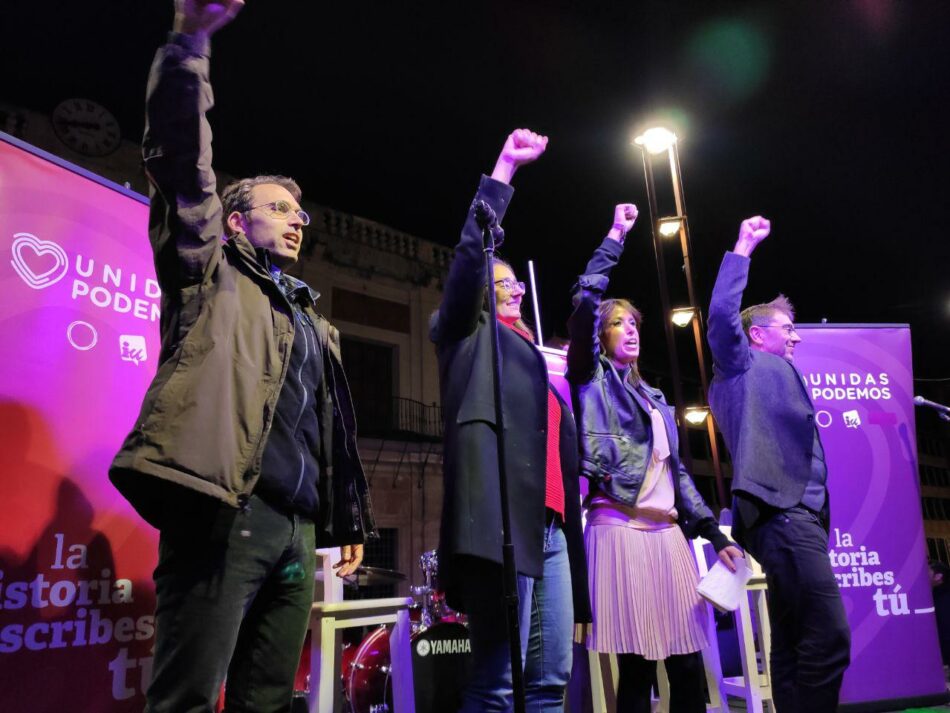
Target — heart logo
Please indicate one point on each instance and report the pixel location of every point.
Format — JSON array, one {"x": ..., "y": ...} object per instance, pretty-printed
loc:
[{"x": 40, "y": 263}]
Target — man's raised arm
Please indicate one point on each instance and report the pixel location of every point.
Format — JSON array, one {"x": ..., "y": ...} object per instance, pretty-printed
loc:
[
  {"x": 727, "y": 340},
  {"x": 185, "y": 223}
]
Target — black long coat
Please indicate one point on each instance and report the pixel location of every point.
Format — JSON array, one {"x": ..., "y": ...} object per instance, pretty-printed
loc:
[{"x": 471, "y": 509}]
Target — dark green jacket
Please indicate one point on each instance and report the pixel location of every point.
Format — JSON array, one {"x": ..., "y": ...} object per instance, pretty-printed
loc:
[{"x": 227, "y": 333}]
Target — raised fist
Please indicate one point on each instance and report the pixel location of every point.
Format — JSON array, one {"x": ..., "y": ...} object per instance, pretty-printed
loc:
[
  {"x": 752, "y": 232},
  {"x": 204, "y": 16},
  {"x": 625, "y": 215},
  {"x": 522, "y": 146}
]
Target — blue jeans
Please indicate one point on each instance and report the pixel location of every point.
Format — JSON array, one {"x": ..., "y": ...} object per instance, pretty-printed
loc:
[{"x": 546, "y": 614}]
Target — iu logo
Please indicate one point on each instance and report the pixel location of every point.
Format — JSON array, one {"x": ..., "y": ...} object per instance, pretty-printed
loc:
[
  {"x": 132, "y": 348},
  {"x": 39, "y": 263}
]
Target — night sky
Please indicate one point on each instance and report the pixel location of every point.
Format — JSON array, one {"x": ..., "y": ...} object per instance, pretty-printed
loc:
[{"x": 830, "y": 118}]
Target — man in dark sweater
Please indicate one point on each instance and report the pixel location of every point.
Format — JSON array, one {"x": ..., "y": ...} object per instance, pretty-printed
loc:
[
  {"x": 244, "y": 453},
  {"x": 781, "y": 511}
]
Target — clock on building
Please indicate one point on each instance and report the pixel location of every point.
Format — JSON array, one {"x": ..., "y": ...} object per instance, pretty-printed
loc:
[{"x": 86, "y": 127}]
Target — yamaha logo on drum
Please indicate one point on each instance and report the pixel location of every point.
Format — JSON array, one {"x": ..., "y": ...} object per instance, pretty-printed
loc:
[{"x": 443, "y": 646}]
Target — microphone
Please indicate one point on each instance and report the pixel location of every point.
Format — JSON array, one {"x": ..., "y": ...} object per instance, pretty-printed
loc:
[
  {"x": 485, "y": 217},
  {"x": 921, "y": 401}
]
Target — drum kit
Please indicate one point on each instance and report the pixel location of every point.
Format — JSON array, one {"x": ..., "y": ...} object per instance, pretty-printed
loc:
[{"x": 441, "y": 651}]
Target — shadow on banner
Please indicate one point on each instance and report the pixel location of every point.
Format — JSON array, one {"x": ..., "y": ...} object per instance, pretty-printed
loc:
[{"x": 78, "y": 344}]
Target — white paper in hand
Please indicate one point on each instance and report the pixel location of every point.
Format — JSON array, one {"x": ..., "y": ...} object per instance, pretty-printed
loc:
[{"x": 723, "y": 588}]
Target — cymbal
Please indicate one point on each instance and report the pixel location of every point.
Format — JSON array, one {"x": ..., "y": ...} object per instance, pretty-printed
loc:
[{"x": 367, "y": 576}]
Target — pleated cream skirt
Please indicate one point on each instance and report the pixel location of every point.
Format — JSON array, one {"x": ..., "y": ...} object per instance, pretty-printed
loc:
[{"x": 643, "y": 592}]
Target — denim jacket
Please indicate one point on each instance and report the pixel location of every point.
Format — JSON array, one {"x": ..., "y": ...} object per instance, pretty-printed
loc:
[{"x": 613, "y": 417}]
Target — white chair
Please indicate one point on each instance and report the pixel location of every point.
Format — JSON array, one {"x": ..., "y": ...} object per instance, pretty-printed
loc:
[
  {"x": 755, "y": 683},
  {"x": 332, "y": 614},
  {"x": 604, "y": 676}
]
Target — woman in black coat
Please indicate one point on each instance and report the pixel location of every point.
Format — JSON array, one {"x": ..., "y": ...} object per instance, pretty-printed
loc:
[{"x": 541, "y": 465}]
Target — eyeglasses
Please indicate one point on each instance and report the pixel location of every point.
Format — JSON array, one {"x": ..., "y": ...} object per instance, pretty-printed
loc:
[
  {"x": 282, "y": 209},
  {"x": 509, "y": 285},
  {"x": 789, "y": 329}
]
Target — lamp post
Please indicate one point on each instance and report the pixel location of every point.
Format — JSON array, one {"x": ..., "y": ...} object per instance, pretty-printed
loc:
[{"x": 656, "y": 142}]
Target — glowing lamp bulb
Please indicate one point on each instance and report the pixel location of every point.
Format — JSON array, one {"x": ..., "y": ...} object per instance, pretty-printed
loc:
[
  {"x": 696, "y": 414},
  {"x": 682, "y": 316},
  {"x": 656, "y": 140},
  {"x": 670, "y": 227}
]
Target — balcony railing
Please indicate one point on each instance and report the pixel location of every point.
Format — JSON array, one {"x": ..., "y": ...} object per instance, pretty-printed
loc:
[
  {"x": 399, "y": 418},
  {"x": 375, "y": 248}
]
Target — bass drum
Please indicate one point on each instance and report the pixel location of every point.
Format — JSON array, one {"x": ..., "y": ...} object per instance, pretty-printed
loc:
[
  {"x": 367, "y": 685},
  {"x": 441, "y": 667}
]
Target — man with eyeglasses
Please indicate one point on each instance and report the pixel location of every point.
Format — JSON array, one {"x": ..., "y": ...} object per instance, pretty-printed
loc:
[
  {"x": 780, "y": 500},
  {"x": 244, "y": 452}
]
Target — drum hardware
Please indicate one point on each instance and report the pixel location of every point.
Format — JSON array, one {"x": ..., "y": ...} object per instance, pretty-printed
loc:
[
  {"x": 421, "y": 614},
  {"x": 432, "y": 606},
  {"x": 361, "y": 667},
  {"x": 441, "y": 653}
]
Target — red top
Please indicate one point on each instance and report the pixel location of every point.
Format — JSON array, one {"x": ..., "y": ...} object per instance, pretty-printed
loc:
[{"x": 553, "y": 478}]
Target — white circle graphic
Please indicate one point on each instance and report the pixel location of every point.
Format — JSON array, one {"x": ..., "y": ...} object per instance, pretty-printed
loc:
[
  {"x": 422, "y": 648},
  {"x": 91, "y": 338},
  {"x": 823, "y": 418}
]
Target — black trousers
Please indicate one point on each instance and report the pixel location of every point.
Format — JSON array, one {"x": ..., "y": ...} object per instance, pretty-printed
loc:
[
  {"x": 637, "y": 674},
  {"x": 234, "y": 591},
  {"x": 811, "y": 641}
]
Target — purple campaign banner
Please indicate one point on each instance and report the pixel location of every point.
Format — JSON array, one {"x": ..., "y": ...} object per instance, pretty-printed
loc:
[
  {"x": 860, "y": 380},
  {"x": 78, "y": 345}
]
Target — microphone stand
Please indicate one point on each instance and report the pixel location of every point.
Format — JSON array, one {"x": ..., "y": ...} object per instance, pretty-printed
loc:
[
  {"x": 492, "y": 236},
  {"x": 943, "y": 412}
]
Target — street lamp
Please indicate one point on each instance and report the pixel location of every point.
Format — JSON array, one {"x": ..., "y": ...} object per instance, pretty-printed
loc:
[
  {"x": 654, "y": 142},
  {"x": 669, "y": 227},
  {"x": 696, "y": 414},
  {"x": 682, "y": 316}
]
